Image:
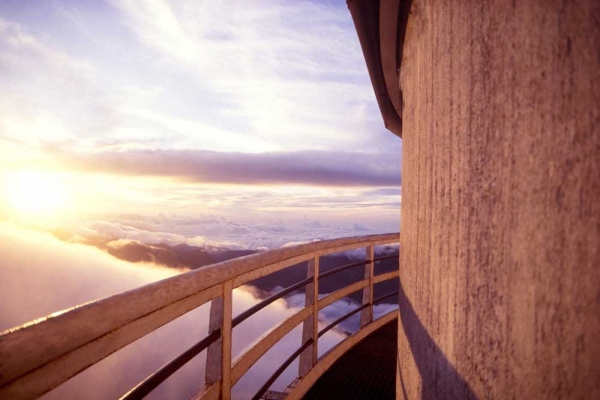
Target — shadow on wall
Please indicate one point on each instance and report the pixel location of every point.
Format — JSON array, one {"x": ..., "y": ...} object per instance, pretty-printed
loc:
[{"x": 440, "y": 380}]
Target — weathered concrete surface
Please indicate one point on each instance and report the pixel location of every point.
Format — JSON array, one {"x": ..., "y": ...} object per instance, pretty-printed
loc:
[{"x": 500, "y": 260}]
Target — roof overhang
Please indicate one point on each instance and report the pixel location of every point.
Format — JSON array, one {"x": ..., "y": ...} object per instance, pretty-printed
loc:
[{"x": 380, "y": 25}]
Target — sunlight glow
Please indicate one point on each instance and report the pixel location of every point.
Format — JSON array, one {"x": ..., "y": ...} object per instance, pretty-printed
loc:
[{"x": 36, "y": 193}]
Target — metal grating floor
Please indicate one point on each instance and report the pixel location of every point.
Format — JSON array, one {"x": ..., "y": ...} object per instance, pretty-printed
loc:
[{"x": 367, "y": 371}]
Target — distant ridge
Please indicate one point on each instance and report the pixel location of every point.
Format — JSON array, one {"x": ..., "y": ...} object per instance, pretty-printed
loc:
[
  {"x": 179, "y": 256},
  {"x": 194, "y": 257}
]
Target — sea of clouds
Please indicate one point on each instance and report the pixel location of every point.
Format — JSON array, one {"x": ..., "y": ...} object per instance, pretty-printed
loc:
[
  {"x": 41, "y": 274},
  {"x": 216, "y": 230}
]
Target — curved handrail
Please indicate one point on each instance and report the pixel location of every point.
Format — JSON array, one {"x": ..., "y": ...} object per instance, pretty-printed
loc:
[{"x": 41, "y": 355}]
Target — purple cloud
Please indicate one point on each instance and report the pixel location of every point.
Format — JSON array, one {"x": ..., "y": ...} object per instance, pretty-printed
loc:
[{"x": 320, "y": 168}]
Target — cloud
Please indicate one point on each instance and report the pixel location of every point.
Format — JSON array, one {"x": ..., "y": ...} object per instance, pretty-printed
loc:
[
  {"x": 214, "y": 231},
  {"x": 117, "y": 231},
  {"x": 287, "y": 75},
  {"x": 56, "y": 92},
  {"x": 385, "y": 192},
  {"x": 41, "y": 275},
  {"x": 150, "y": 231},
  {"x": 359, "y": 228},
  {"x": 326, "y": 168},
  {"x": 291, "y": 71},
  {"x": 47, "y": 95},
  {"x": 342, "y": 307},
  {"x": 380, "y": 251}
]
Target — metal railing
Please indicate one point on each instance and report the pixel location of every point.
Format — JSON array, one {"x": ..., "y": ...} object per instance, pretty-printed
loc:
[{"x": 41, "y": 355}]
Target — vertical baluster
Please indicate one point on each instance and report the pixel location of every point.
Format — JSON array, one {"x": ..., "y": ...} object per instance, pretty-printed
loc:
[
  {"x": 366, "y": 315},
  {"x": 213, "y": 354},
  {"x": 310, "y": 326},
  {"x": 227, "y": 310},
  {"x": 315, "y": 335},
  {"x": 218, "y": 358}
]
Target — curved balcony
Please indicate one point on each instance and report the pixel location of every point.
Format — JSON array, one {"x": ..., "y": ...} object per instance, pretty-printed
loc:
[{"x": 39, "y": 356}]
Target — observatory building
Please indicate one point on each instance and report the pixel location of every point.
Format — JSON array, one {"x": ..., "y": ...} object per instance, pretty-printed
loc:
[{"x": 498, "y": 107}]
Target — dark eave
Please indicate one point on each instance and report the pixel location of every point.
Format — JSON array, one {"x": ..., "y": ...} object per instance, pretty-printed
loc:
[{"x": 379, "y": 27}]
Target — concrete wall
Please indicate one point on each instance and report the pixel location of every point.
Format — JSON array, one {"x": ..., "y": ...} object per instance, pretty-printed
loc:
[{"x": 500, "y": 260}]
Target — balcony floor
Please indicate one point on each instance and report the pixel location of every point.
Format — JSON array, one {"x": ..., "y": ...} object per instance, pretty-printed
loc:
[{"x": 367, "y": 371}]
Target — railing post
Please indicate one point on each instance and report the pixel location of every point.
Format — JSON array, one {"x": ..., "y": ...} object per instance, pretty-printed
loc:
[
  {"x": 218, "y": 358},
  {"x": 213, "y": 354},
  {"x": 310, "y": 326},
  {"x": 366, "y": 315}
]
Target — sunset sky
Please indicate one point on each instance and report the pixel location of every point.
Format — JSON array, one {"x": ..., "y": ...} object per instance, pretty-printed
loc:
[
  {"x": 244, "y": 123},
  {"x": 236, "y": 124}
]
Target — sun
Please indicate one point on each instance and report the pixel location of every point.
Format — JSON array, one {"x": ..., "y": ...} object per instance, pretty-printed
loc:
[{"x": 36, "y": 193}]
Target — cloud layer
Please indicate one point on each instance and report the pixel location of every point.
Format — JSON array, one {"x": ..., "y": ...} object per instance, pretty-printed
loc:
[
  {"x": 326, "y": 168},
  {"x": 214, "y": 230},
  {"x": 41, "y": 275}
]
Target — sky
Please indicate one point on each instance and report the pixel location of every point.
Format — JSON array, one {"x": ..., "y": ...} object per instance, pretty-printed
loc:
[
  {"x": 240, "y": 124},
  {"x": 253, "y": 121}
]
